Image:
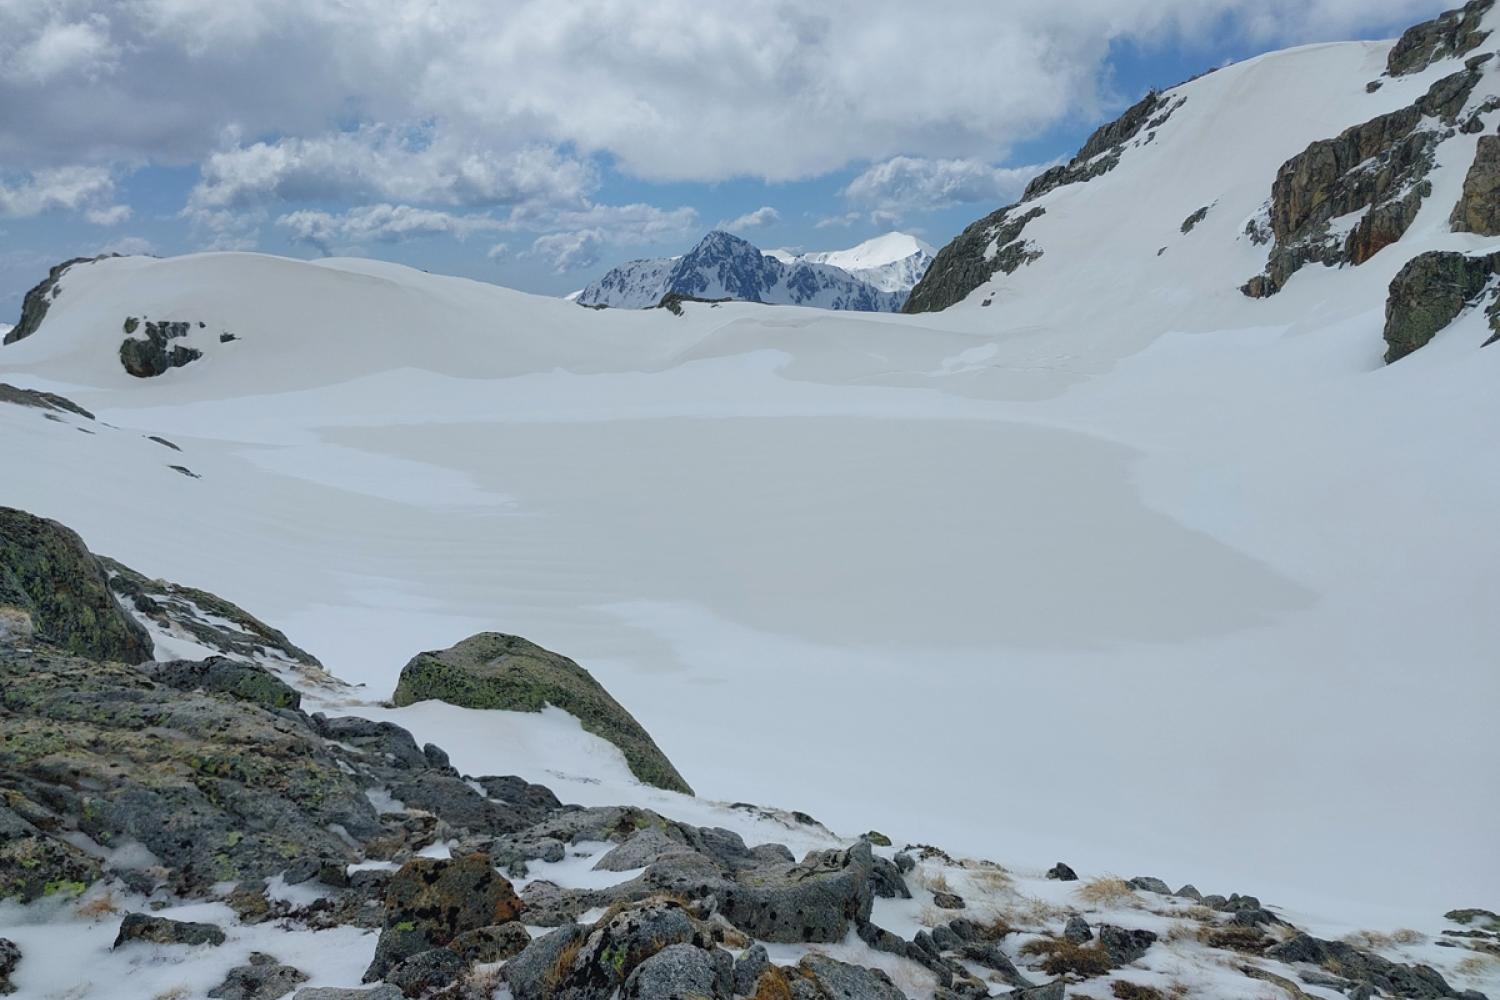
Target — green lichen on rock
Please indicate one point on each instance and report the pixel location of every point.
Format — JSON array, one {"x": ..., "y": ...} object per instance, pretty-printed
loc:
[
  {"x": 493, "y": 670},
  {"x": 48, "y": 574},
  {"x": 1429, "y": 293}
]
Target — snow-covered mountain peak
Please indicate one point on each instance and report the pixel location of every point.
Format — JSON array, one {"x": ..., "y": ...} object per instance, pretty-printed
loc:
[{"x": 725, "y": 266}]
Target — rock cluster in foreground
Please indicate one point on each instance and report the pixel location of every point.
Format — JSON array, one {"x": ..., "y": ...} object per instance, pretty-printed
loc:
[{"x": 215, "y": 769}]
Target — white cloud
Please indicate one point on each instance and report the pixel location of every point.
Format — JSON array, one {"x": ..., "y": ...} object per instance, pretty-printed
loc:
[
  {"x": 111, "y": 216},
  {"x": 129, "y": 246},
  {"x": 763, "y": 216},
  {"x": 428, "y": 166},
  {"x": 71, "y": 188},
  {"x": 569, "y": 251},
  {"x": 380, "y": 224},
  {"x": 672, "y": 90},
  {"x": 500, "y": 251},
  {"x": 58, "y": 48},
  {"x": 905, "y": 184},
  {"x": 634, "y": 223}
]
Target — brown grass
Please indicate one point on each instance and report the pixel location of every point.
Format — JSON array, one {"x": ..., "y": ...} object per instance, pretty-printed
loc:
[
  {"x": 1105, "y": 891},
  {"x": 1236, "y": 937},
  {"x": 1405, "y": 935},
  {"x": 561, "y": 966},
  {"x": 1125, "y": 990},
  {"x": 772, "y": 985},
  {"x": 1062, "y": 957},
  {"x": 103, "y": 905},
  {"x": 1476, "y": 966}
]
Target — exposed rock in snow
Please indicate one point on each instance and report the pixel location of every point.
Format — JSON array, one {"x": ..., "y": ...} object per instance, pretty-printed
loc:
[{"x": 1453, "y": 33}]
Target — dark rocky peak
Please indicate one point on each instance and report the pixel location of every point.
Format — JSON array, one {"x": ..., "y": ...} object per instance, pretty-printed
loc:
[
  {"x": 1454, "y": 33},
  {"x": 37, "y": 301}
]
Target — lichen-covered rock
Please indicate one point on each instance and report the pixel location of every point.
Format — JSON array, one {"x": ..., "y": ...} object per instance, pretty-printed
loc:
[
  {"x": 431, "y": 901},
  {"x": 1429, "y": 293},
  {"x": 1378, "y": 169},
  {"x": 681, "y": 972},
  {"x": 536, "y": 971},
  {"x": 1078, "y": 930},
  {"x": 263, "y": 979},
  {"x": 381, "y": 992},
  {"x": 1478, "y": 208},
  {"x": 836, "y": 980},
  {"x": 491, "y": 944},
  {"x": 1453, "y": 33},
  {"x": 493, "y": 670},
  {"x": 10, "y": 957},
  {"x": 48, "y": 574},
  {"x": 426, "y": 971},
  {"x": 246, "y": 681},
  {"x": 621, "y": 942},
  {"x": 160, "y": 930}
]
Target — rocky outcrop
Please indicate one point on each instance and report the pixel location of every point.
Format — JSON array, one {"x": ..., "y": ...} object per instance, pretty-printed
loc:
[
  {"x": 208, "y": 619},
  {"x": 153, "y": 353},
  {"x": 966, "y": 263},
  {"x": 1363, "y": 967},
  {"x": 1102, "y": 151},
  {"x": 37, "y": 301},
  {"x": 1430, "y": 292},
  {"x": 1454, "y": 33},
  {"x": 1478, "y": 208},
  {"x": 54, "y": 589},
  {"x": 1376, "y": 171},
  {"x": 48, "y": 401},
  {"x": 492, "y": 670}
]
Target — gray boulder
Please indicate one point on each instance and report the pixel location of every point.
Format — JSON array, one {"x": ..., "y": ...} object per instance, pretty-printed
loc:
[
  {"x": 381, "y": 992},
  {"x": 153, "y": 353},
  {"x": 247, "y": 681},
  {"x": 532, "y": 974},
  {"x": 681, "y": 972},
  {"x": 1051, "y": 991},
  {"x": 493, "y": 670},
  {"x": 1124, "y": 946},
  {"x": 159, "y": 930},
  {"x": 749, "y": 968},
  {"x": 1078, "y": 930},
  {"x": 1062, "y": 873},
  {"x": 1148, "y": 884},
  {"x": 491, "y": 944},
  {"x": 1453, "y": 33},
  {"x": 836, "y": 980},
  {"x": 263, "y": 979}
]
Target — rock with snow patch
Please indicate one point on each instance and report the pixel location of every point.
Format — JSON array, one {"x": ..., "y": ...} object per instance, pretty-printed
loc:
[
  {"x": 1124, "y": 946},
  {"x": 1429, "y": 292},
  {"x": 1453, "y": 33},
  {"x": 246, "y": 681},
  {"x": 426, "y": 971},
  {"x": 1419, "y": 982},
  {"x": 492, "y": 670},
  {"x": 1077, "y": 930},
  {"x": 1478, "y": 208},
  {"x": 532, "y": 974},
  {"x": 1062, "y": 873},
  {"x": 381, "y": 992}
]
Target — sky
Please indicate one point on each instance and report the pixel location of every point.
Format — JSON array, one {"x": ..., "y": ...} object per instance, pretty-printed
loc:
[{"x": 535, "y": 144}]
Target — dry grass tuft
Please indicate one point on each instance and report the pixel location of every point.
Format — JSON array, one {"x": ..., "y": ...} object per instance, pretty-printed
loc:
[
  {"x": 102, "y": 905},
  {"x": 175, "y": 993},
  {"x": 1369, "y": 940},
  {"x": 1106, "y": 891},
  {"x": 772, "y": 985},
  {"x": 1235, "y": 937},
  {"x": 995, "y": 880},
  {"x": 1405, "y": 935},
  {"x": 562, "y": 965},
  {"x": 934, "y": 881},
  {"x": 1060, "y": 957},
  {"x": 1126, "y": 990},
  {"x": 1477, "y": 966}
]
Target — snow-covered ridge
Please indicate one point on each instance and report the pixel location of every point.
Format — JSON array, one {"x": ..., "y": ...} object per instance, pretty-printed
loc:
[
  {"x": 723, "y": 266},
  {"x": 894, "y": 262}
]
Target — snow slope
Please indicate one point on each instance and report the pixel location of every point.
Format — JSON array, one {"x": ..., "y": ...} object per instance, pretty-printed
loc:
[
  {"x": 722, "y": 266},
  {"x": 893, "y": 262},
  {"x": 1125, "y": 569}
]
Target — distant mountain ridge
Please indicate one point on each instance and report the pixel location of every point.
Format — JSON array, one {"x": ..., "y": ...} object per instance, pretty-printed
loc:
[{"x": 876, "y": 276}]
